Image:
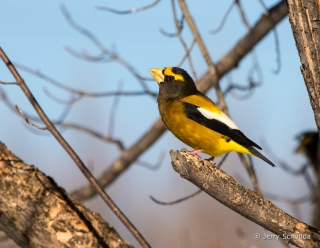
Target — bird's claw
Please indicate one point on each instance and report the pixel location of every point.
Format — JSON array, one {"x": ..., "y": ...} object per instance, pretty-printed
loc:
[{"x": 194, "y": 152}]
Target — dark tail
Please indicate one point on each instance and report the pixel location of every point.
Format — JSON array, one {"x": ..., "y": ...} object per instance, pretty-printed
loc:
[{"x": 259, "y": 155}]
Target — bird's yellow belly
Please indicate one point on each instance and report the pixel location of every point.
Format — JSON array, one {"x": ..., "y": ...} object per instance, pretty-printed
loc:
[{"x": 197, "y": 136}]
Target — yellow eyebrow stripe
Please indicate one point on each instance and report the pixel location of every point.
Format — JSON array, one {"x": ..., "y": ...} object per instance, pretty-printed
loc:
[{"x": 168, "y": 72}]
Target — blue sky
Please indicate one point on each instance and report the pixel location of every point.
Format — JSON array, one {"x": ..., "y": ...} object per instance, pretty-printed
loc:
[{"x": 35, "y": 34}]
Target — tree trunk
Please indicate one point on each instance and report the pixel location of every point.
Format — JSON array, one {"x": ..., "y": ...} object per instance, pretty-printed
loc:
[{"x": 304, "y": 16}]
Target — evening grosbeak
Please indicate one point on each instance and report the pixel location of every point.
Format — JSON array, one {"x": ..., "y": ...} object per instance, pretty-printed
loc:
[
  {"x": 195, "y": 119},
  {"x": 309, "y": 146}
]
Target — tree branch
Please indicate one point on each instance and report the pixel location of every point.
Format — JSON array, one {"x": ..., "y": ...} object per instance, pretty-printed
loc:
[
  {"x": 36, "y": 212},
  {"x": 304, "y": 20},
  {"x": 245, "y": 202}
]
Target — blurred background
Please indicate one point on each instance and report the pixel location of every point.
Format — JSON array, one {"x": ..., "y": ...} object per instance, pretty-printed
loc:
[{"x": 36, "y": 34}]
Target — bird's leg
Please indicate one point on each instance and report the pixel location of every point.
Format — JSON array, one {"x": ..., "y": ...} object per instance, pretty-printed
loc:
[
  {"x": 211, "y": 160},
  {"x": 194, "y": 152}
]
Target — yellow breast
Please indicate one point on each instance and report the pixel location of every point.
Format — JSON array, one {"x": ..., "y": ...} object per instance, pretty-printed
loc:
[{"x": 194, "y": 134}]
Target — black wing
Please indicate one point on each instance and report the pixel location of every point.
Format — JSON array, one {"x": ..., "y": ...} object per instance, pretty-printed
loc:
[{"x": 236, "y": 135}]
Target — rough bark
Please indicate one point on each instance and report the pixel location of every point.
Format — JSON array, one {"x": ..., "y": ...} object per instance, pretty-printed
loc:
[
  {"x": 304, "y": 16},
  {"x": 36, "y": 212},
  {"x": 249, "y": 204}
]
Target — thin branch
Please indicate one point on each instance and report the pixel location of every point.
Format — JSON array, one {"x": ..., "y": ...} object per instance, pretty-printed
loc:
[
  {"x": 191, "y": 195},
  {"x": 297, "y": 201},
  {"x": 114, "y": 111},
  {"x": 224, "y": 19},
  {"x": 75, "y": 91},
  {"x": 276, "y": 40},
  {"x": 182, "y": 41},
  {"x": 28, "y": 121},
  {"x": 82, "y": 30},
  {"x": 278, "y": 54},
  {"x": 251, "y": 172},
  {"x": 179, "y": 25},
  {"x": 8, "y": 83},
  {"x": 303, "y": 170},
  {"x": 124, "y": 12},
  {"x": 176, "y": 201},
  {"x": 256, "y": 65},
  {"x": 105, "y": 53},
  {"x": 152, "y": 167},
  {"x": 73, "y": 98},
  {"x": 242, "y": 14},
  {"x": 50, "y": 126},
  {"x": 59, "y": 122},
  {"x": 93, "y": 133},
  {"x": 187, "y": 53},
  {"x": 212, "y": 67},
  {"x": 223, "y": 160},
  {"x": 263, "y": 4}
]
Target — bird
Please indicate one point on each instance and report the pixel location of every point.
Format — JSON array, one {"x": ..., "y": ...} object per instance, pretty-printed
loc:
[
  {"x": 195, "y": 119},
  {"x": 309, "y": 145}
]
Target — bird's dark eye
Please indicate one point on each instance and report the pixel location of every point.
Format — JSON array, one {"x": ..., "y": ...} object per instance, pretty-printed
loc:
[{"x": 169, "y": 78}]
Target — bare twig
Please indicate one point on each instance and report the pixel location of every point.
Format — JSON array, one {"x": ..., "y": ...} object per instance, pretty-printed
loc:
[
  {"x": 242, "y": 14},
  {"x": 8, "y": 83},
  {"x": 105, "y": 53},
  {"x": 93, "y": 133},
  {"x": 73, "y": 98},
  {"x": 246, "y": 88},
  {"x": 294, "y": 201},
  {"x": 179, "y": 25},
  {"x": 303, "y": 170},
  {"x": 278, "y": 54},
  {"x": 80, "y": 93},
  {"x": 223, "y": 160},
  {"x": 187, "y": 53},
  {"x": 152, "y": 167},
  {"x": 28, "y": 121},
  {"x": 224, "y": 19},
  {"x": 134, "y": 10},
  {"x": 182, "y": 41},
  {"x": 276, "y": 40},
  {"x": 114, "y": 111},
  {"x": 50, "y": 127},
  {"x": 256, "y": 65},
  {"x": 251, "y": 172},
  {"x": 212, "y": 67},
  {"x": 191, "y": 195},
  {"x": 176, "y": 201},
  {"x": 12, "y": 107}
]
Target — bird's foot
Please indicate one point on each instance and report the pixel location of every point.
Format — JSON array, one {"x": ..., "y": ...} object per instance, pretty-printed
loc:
[
  {"x": 211, "y": 160},
  {"x": 194, "y": 152}
]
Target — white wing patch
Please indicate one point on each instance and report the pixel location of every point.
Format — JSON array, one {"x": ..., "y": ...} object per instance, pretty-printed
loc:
[{"x": 220, "y": 117}]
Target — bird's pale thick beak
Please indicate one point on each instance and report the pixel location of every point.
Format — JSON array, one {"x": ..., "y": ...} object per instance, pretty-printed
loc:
[{"x": 157, "y": 74}]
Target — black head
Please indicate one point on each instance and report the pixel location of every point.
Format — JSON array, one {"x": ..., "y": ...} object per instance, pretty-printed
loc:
[{"x": 174, "y": 82}]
